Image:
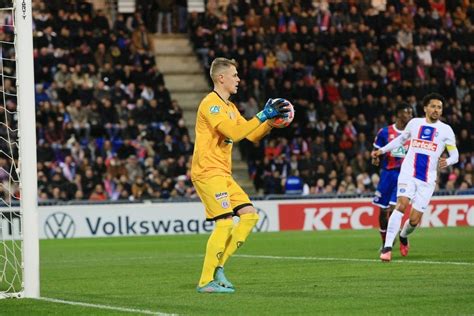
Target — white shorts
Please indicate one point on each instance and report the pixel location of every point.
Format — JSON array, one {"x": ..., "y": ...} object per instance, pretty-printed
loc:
[{"x": 419, "y": 192}]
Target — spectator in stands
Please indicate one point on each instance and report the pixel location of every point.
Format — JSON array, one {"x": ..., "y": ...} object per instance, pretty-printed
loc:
[
  {"x": 98, "y": 194},
  {"x": 141, "y": 39},
  {"x": 165, "y": 8}
]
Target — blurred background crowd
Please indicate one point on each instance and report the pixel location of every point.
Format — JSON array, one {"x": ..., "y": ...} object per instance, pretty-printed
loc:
[
  {"x": 344, "y": 65},
  {"x": 108, "y": 129}
]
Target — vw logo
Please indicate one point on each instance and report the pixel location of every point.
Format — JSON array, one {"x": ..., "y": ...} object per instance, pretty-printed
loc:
[
  {"x": 263, "y": 223},
  {"x": 59, "y": 225}
]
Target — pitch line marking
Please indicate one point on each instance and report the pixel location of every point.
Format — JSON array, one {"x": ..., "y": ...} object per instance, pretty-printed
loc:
[
  {"x": 119, "y": 259},
  {"x": 100, "y": 306},
  {"x": 356, "y": 260}
]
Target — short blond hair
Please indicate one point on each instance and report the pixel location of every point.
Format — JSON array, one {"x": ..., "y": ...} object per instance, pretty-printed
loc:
[{"x": 220, "y": 64}]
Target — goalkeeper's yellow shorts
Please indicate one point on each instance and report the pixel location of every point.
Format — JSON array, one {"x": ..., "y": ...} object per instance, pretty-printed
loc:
[{"x": 221, "y": 196}]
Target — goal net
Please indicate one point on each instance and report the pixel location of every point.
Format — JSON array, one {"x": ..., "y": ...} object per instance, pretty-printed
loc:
[{"x": 19, "y": 259}]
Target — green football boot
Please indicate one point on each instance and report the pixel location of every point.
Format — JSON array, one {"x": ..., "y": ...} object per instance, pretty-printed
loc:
[
  {"x": 220, "y": 278},
  {"x": 214, "y": 287}
]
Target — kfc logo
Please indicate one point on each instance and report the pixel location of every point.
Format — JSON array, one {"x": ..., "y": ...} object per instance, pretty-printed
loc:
[
  {"x": 362, "y": 214},
  {"x": 327, "y": 216},
  {"x": 441, "y": 214}
]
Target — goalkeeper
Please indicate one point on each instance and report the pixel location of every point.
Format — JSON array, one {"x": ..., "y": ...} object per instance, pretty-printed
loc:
[{"x": 218, "y": 125}]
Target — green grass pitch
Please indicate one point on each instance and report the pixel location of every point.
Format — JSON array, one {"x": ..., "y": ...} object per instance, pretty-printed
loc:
[{"x": 285, "y": 273}]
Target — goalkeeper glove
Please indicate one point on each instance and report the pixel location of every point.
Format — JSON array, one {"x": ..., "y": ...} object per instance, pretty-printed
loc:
[{"x": 272, "y": 109}]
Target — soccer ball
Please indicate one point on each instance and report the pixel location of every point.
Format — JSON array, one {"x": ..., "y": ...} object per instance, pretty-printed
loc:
[{"x": 282, "y": 122}]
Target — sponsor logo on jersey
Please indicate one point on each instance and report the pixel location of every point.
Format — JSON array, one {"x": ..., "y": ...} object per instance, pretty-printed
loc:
[
  {"x": 221, "y": 195},
  {"x": 215, "y": 109},
  {"x": 423, "y": 144},
  {"x": 399, "y": 152}
]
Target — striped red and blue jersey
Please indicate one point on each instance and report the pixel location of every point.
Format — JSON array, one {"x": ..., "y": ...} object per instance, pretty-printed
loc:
[{"x": 391, "y": 160}]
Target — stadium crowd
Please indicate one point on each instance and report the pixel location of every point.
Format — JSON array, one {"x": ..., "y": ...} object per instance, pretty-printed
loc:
[
  {"x": 107, "y": 128},
  {"x": 344, "y": 65}
]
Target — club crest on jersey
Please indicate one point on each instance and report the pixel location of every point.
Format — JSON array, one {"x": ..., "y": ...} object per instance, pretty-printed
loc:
[
  {"x": 426, "y": 133},
  {"x": 225, "y": 204},
  {"x": 215, "y": 109},
  {"x": 377, "y": 197}
]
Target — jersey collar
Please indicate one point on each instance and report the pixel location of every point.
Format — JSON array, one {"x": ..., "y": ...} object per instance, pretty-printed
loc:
[
  {"x": 396, "y": 129},
  {"x": 226, "y": 102}
]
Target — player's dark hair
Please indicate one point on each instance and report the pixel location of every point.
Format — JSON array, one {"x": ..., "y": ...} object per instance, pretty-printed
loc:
[
  {"x": 433, "y": 96},
  {"x": 402, "y": 106}
]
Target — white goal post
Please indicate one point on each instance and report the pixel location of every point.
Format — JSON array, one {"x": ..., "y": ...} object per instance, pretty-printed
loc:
[
  {"x": 27, "y": 137},
  {"x": 19, "y": 247}
]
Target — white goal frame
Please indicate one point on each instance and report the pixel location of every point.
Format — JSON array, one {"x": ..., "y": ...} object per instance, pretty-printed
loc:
[{"x": 27, "y": 151}]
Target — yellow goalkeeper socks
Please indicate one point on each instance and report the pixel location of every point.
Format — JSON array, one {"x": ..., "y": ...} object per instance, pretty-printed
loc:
[
  {"x": 215, "y": 249},
  {"x": 239, "y": 235}
]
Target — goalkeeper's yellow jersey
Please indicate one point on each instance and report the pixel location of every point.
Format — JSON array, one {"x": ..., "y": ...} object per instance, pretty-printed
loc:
[{"x": 212, "y": 150}]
